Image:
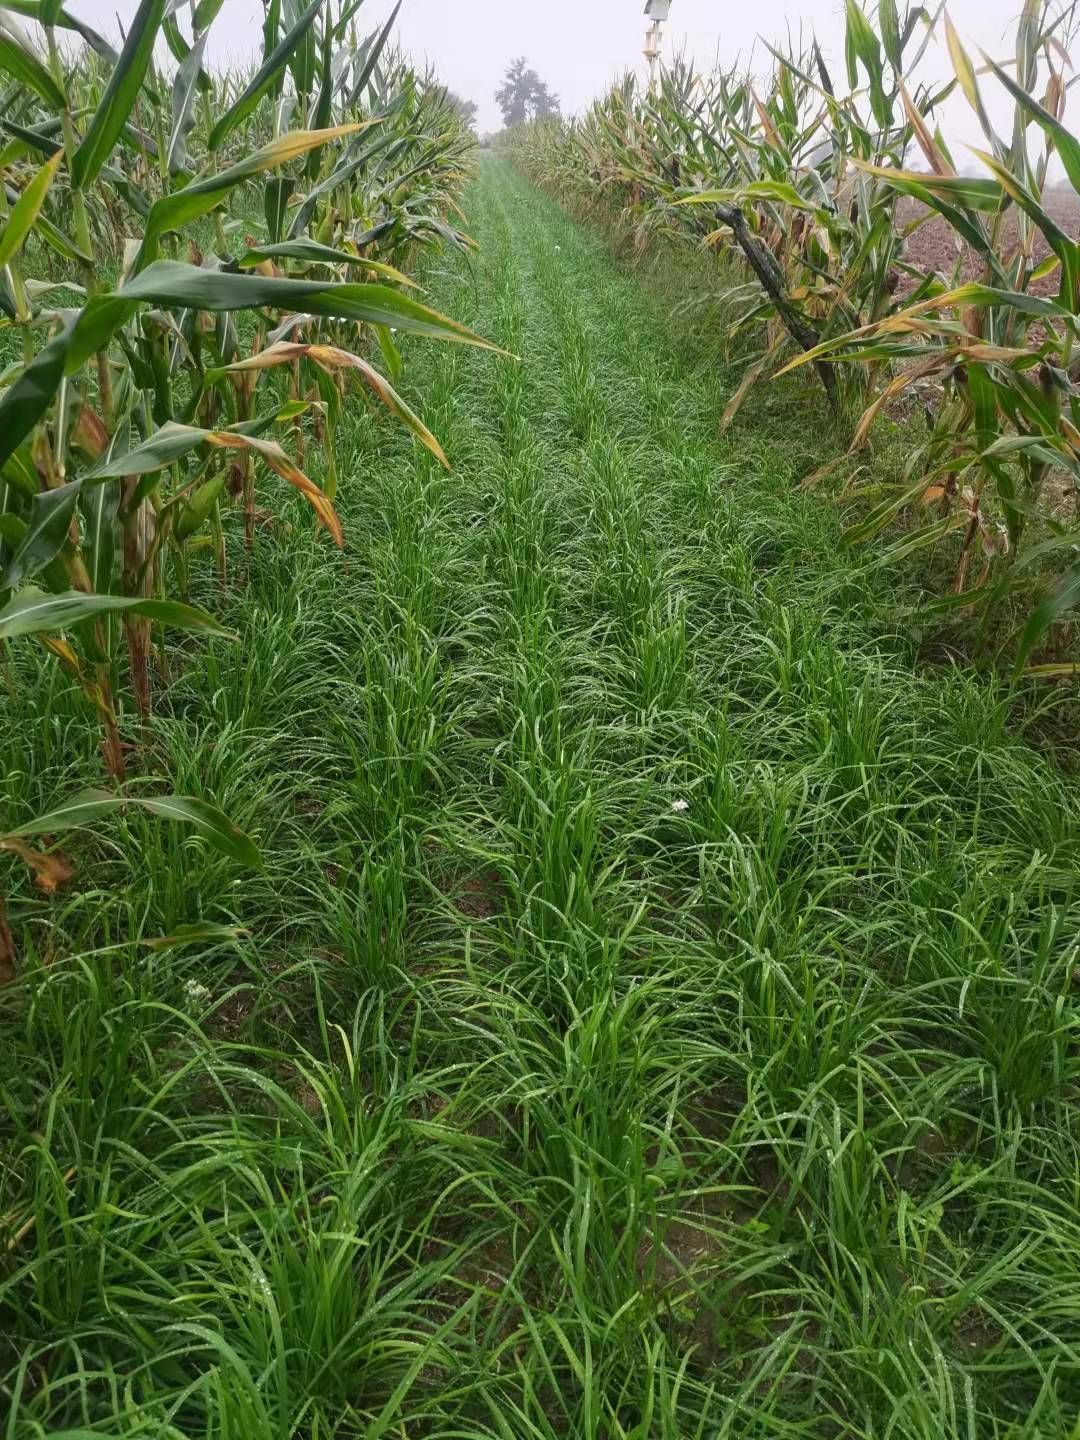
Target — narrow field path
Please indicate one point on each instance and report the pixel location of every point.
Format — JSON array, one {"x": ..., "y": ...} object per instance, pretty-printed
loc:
[
  {"x": 659, "y": 1017},
  {"x": 770, "y": 937}
]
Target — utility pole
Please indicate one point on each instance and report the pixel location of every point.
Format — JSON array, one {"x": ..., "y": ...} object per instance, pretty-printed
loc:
[{"x": 657, "y": 11}]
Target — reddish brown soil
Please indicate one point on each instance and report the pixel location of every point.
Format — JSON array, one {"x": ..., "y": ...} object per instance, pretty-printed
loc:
[{"x": 933, "y": 245}]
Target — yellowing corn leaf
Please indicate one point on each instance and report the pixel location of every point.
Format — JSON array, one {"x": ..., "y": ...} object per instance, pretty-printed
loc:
[
  {"x": 280, "y": 463},
  {"x": 63, "y": 652},
  {"x": 329, "y": 358},
  {"x": 927, "y": 144},
  {"x": 1063, "y": 671},
  {"x": 51, "y": 872},
  {"x": 965, "y": 74},
  {"x": 749, "y": 379}
]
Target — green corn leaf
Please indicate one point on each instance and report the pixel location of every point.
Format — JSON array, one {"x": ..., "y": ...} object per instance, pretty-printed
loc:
[
  {"x": 184, "y": 92},
  {"x": 198, "y": 509},
  {"x": 172, "y": 284},
  {"x": 1047, "y": 267},
  {"x": 64, "y": 20},
  {"x": 181, "y": 49},
  {"x": 24, "y": 403},
  {"x": 1035, "y": 554},
  {"x": 863, "y": 39},
  {"x": 100, "y": 506},
  {"x": 310, "y": 250},
  {"x": 922, "y": 539},
  {"x": 271, "y": 22},
  {"x": 890, "y": 33},
  {"x": 970, "y": 191},
  {"x": 12, "y": 531},
  {"x": 1064, "y": 597},
  {"x": 882, "y": 514},
  {"x": 976, "y": 294},
  {"x": 19, "y": 472},
  {"x": 315, "y": 254},
  {"x": 127, "y": 190},
  {"x": 33, "y": 612},
  {"x": 122, "y": 91},
  {"x": 862, "y": 42},
  {"x": 781, "y": 191},
  {"x": 40, "y": 138},
  {"x": 324, "y": 103},
  {"x": 302, "y": 59},
  {"x": 1066, "y": 144},
  {"x": 965, "y": 74},
  {"x": 28, "y": 70},
  {"x": 64, "y": 246},
  {"x": 373, "y": 57},
  {"x": 201, "y": 932},
  {"x": 93, "y": 805},
  {"x": 172, "y": 442},
  {"x": 345, "y": 14},
  {"x": 205, "y": 13},
  {"x": 276, "y": 195},
  {"x": 390, "y": 352},
  {"x": 182, "y": 206},
  {"x": 21, "y": 220},
  {"x": 264, "y": 79},
  {"x": 339, "y": 176},
  {"x": 1063, "y": 245},
  {"x": 46, "y": 534}
]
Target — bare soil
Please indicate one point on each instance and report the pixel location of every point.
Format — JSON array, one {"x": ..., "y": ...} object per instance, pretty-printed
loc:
[{"x": 934, "y": 245}]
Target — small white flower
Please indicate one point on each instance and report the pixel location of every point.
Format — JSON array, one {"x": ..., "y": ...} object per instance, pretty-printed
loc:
[
  {"x": 680, "y": 806},
  {"x": 195, "y": 995}
]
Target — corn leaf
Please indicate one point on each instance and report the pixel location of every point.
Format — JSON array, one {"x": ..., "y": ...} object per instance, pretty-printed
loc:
[
  {"x": 173, "y": 441},
  {"x": 120, "y": 95},
  {"x": 965, "y": 74},
  {"x": 33, "y": 612},
  {"x": 264, "y": 79},
  {"x": 93, "y": 805},
  {"x": 205, "y": 13},
  {"x": 21, "y": 220},
  {"x": 372, "y": 59},
  {"x": 184, "y": 92},
  {"x": 1065, "y": 143},
  {"x": 28, "y": 70},
  {"x": 199, "y": 508},
  {"x": 24, "y": 403},
  {"x": 64, "y": 20},
  {"x": 1065, "y": 597},
  {"x": 182, "y": 206},
  {"x": 46, "y": 532},
  {"x": 172, "y": 283},
  {"x": 330, "y": 359}
]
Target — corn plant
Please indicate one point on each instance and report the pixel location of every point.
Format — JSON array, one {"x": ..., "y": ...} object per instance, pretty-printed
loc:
[
  {"x": 199, "y": 340},
  {"x": 1001, "y": 348},
  {"x": 808, "y": 187}
]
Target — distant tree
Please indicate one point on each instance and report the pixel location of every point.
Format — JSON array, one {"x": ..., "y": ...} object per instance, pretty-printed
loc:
[
  {"x": 467, "y": 109},
  {"x": 524, "y": 96},
  {"x": 516, "y": 91},
  {"x": 544, "y": 103}
]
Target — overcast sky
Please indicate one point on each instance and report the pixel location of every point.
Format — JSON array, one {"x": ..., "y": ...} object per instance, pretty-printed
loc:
[{"x": 578, "y": 48}]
